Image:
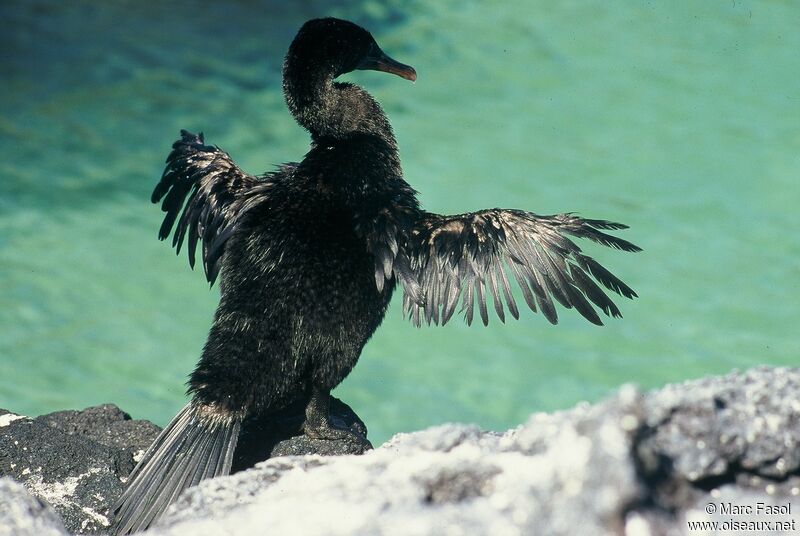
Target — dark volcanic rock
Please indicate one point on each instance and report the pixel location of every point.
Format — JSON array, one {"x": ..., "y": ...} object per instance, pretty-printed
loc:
[
  {"x": 74, "y": 460},
  {"x": 106, "y": 424}
]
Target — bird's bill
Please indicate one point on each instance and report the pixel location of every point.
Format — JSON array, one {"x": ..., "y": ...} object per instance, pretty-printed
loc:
[{"x": 377, "y": 60}]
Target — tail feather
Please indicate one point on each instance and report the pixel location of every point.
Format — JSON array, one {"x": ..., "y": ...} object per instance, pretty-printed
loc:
[{"x": 197, "y": 444}]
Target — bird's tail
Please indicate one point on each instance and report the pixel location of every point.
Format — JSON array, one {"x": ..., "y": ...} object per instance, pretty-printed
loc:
[{"x": 197, "y": 444}]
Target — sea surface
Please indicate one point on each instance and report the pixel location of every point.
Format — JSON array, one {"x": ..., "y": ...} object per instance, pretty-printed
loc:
[{"x": 679, "y": 118}]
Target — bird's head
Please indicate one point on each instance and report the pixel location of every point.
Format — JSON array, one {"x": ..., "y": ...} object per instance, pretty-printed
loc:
[{"x": 335, "y": 47}]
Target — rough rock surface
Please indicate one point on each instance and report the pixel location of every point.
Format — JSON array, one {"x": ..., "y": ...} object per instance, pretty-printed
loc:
[
  {"x": 73, "y": 460},
  {"x": 722, "y": 449},
  {"x": 23, "y": 514},
  {"x": 635, "y": 464},
  {"x": 77, "y": 461}
]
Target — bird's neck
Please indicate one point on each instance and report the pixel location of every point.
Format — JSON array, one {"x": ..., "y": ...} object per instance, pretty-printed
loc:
[{"x": 329, "y": 109}]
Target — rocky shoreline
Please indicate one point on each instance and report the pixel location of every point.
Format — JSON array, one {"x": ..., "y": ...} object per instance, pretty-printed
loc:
[{"x": 721, "y": 449}]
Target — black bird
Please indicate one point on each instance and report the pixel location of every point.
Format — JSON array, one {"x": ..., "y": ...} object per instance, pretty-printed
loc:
[{"x": 310, "y": 254}]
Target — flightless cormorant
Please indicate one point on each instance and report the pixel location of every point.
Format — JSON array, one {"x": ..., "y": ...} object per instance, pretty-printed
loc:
[{"x": 309, "y": 255}]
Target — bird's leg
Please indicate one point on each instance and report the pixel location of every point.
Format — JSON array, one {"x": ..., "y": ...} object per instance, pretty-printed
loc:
[{"x": 318, "y": 423}]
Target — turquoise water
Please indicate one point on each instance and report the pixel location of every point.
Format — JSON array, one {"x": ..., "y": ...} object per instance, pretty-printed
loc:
[{"x": 681, "y": 119}]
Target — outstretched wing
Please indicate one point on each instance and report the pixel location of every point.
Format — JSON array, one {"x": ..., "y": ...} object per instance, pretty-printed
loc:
[
  {"x": 219, "y": 193},
  {"x": 471, "y": 257}
]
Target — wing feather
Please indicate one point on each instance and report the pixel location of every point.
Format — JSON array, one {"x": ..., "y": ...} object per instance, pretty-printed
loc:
[
  {"x": 498, "y": 304},
  {"x": 481, "y": 299},
  {"x": 512, "y": 304}
]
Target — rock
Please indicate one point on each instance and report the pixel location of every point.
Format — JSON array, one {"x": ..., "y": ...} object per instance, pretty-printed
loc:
[
  {"x": 75, "y": 461},
  {"x": 740, "y": 422},
  {"x": 722, "y": 449},
  {"x": 106, "y": 424},
  {"x": 636, "y": 464},
  {"x": 554, "y": 474},
  {"x": 24, "y": 515}
]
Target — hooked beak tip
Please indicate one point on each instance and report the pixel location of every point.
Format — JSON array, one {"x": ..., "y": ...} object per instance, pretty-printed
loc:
[{"x": 409, "y": 74}]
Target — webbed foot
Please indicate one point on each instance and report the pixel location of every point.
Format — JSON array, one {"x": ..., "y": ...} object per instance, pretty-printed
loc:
[{"x": 319, "y": 425}]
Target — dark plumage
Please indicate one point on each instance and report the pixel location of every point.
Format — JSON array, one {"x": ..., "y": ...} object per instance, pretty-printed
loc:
[{"x": 309, "y": 255}]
